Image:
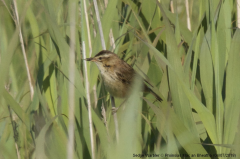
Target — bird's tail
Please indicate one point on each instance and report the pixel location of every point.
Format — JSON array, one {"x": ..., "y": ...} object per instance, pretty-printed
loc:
[{"x": 155, "y": 95}]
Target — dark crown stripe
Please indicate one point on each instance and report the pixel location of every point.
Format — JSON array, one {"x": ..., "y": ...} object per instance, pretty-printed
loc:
[{"x": 103, "y": 52}]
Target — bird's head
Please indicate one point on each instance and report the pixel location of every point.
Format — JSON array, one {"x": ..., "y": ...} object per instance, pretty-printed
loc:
[{"x": 104, "y": 59}]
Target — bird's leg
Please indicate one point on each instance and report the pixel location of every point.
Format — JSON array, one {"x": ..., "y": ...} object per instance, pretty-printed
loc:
[{"x": 115, "y": 109}]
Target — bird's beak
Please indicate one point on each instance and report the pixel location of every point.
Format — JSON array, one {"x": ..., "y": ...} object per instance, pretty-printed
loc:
[{"x": 90, "y": 59}]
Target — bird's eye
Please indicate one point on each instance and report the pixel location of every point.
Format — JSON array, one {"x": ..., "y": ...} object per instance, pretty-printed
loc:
[{"x": 100, "y": 58}]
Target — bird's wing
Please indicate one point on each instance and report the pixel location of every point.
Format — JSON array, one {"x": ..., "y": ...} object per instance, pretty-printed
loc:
[{"x": 125, "y": 73}]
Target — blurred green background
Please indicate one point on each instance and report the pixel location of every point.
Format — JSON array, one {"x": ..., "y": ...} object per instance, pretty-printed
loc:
[{"x": 195, "y": 71}]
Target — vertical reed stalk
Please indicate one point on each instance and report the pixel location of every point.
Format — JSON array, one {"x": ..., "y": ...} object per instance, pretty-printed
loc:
[
  {"x": 71, "y": 95},
  {"x": 99, "y": 25},
  {"x": 188, "y": 15},
  {"x": 171, "y": 6},
  {"x": 88, "y": 101},
  {"x": 90, "y": 47},
  {"x": 84, "y": 9},
  {"x": 23, "y": 49},
  {"x": 238, "y": 13}
]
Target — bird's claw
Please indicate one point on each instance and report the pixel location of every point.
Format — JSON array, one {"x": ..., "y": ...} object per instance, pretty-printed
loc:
[{"x": 114, "y": 110}]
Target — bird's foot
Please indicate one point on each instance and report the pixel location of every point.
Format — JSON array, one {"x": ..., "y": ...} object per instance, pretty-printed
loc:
[{"x": 114, "y": 110}]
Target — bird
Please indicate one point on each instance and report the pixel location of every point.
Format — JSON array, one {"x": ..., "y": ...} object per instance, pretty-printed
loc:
[{"x": 118, "y": 76}]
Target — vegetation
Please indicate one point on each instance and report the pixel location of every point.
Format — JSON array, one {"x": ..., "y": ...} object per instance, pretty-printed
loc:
[{"x": 196, "y": 73}]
